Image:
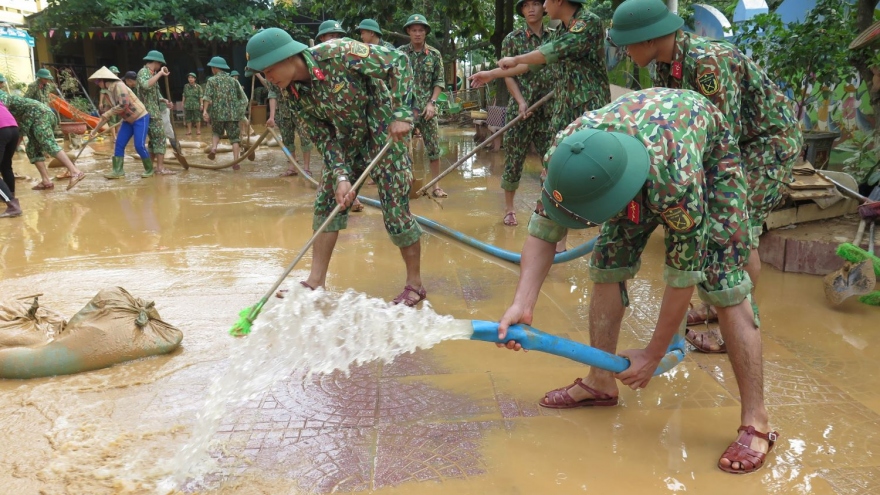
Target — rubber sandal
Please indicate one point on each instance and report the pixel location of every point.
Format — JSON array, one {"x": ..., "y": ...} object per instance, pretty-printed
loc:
[
  {"x": 43, "y": 187},
  {"x": 694, "y": 317},
  {"x": 288, "y": 173},
  {"x": 404, "y": 298},
  {"x": 236, "y": 167},
  {"x": 439, "y": 193},
  {"x": 560, "y": 399},
  {"x": 700, "y": 344},
  {"x": 212, "y": 153},
  {"x": 64, "y": 176},
  {"x": 510, "y": 219},
  {"x": 283, "y": 292},
  {"x": 74, "y": 180},
  {"x": 357, "y": 207},
  {"x": 739, "y": 451}
]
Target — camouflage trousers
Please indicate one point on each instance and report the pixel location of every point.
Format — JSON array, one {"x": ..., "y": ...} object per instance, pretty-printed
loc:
[
  {"x": 156, "y": 133},
  {"x": 228, "y": 127},
  {"x": 430, "y": 136},
  {"x": 518, "y": 139},
  {"x": 289, "y": 132},
  {"x": 768, "y": 169},
  {"x": 40, "y": 131},
  {"x": 192, "y": 116}
]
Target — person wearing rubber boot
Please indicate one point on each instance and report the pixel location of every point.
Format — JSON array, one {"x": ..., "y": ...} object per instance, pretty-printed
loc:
[
  {"x": 223, "y": 101},
  {"x": 135, "y": 121},
  {"x": 104, "y": 103},
  {"x": 371, "y": 34},
  {"x": 8, "y": 143},
  {"x": 427, "y": 66},
  {"x": 192, "y": 104},
  {"x": 37, "y": 121},
  {"x": 760, "y": 115},
  {"x": 327, "y": 88},
  {"x": 39, "y": 90},
  {"x": 690, "y": 183},
  {"x": 148, "y": 91},
  {"x": 535, "y": 129},
  {"x": 281, "y": 117}
]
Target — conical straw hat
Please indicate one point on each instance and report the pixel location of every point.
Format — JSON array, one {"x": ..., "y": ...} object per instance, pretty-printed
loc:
[{"x": 103, "y": 73}]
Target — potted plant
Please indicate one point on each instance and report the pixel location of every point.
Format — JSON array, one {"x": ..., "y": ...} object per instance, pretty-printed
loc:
[
  {"x": 808, "y": 60},
  {"x": 70, "y": 85}
]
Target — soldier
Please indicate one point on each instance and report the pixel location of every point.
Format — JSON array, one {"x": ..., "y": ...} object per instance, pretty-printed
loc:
[
  {"x": 222, "y": 107},
  {"x": 280, "y": 116},
  {"x": 690, "y": 183},
  {"x": 135, "y": 121},
  {"x": 244, "y": 123},
  {"x": 37, "y": 121},
  {"x": 326, "y": 87},
  {"x": 329, "y": 30},
  {"x": 524, "y": 90},
  {"x": 371, "y": 34},
  {"x": 192, "y": 104},
  {"x": 148, "y": 92},
  {"x": 427, "y": 67},
  {"x": 760, "y": 116},
  {"x": 39, "y": 89}
]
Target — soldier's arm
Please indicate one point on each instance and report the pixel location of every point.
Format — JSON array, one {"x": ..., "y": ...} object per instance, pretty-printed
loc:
[
  {"x": 716, "y": 80},
  {"x": 390, "y": 66},
  {"x": 509, "y": 50},
  {"x": 273, "y": 100},
  {"x": 571, "y": 44},
  {"x": 209, "y": 95},
  {"x": 439, "y": 78}
]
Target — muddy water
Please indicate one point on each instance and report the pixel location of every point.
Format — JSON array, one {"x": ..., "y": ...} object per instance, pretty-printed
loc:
[{"x": 461, "y": 417}]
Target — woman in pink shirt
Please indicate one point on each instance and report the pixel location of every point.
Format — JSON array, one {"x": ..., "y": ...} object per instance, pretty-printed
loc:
[{"x": 8, "y": 144}]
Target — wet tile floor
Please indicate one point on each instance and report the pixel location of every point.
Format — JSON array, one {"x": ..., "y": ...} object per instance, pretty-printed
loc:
[{"x": 459, "y": 418}]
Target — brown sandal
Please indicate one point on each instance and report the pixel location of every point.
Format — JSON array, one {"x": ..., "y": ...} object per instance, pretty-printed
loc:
[
  {"x": 560, "y": 399},
  {"x": 288, "y": 173},
  {"x": 700, "y": 343},
  {"x": 43, "y": 187},
  {"x": 740, "y": 451},
  {"x": 74, "y": 180},
  {"x": 695, "y": 318}
]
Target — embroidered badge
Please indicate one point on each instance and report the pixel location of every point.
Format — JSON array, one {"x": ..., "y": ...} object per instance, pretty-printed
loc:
[
  {"x": 358, "y": 49},
  {"x": 678, "y": 219},
  {"x": 708, "y": 84},
  {"x": 677, "y": 71},
  {"x": 557, "y": 196},
  {"x": 634, "y": 212},
  {"x": 578, "y": 26},
  {"x": 318, "y": 74},
  {"x": 338, "y": 87}
]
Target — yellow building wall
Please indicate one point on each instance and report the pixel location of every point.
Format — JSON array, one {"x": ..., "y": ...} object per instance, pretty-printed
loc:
[{"x": 15, "y": 60}]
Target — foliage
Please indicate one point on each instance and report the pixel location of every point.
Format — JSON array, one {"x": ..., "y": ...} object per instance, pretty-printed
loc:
[
  {"x": 82, "y": 104},
  {"x": 864, "y": 165},
  {"x": 799, "y": 56}
]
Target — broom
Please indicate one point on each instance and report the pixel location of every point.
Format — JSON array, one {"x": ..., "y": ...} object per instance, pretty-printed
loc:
[{"x": 248, "y": 315}]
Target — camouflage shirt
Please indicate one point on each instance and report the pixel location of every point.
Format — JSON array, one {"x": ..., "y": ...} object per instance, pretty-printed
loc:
[
  {"x": 576, "y": 55},
  {"x": 533, "y": 84},
  {"x": 149, "y": 95},
  {"x": 753, "y": 104},
  {"x": 27, "y": 111},
  {"x": 427, "y": 69},
  {"x": 192, "y": 95},
  {"x": 695, "y": 187},
  {"x": 333, "y": 104},
  {"x": 226, "y": 98},
  {"x": 35, "y": 92}
]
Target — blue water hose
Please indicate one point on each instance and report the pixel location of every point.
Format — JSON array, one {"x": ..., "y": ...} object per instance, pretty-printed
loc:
[
  {"x": 503, "y": 254},
  {"x": 534, "y": 339}
]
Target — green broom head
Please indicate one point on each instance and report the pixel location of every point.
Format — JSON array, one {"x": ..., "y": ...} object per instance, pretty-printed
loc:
[
  {"x": 246, "y": 318},
  {"x": 854, "y": 254},
  {"x": 872, "y": 299}
]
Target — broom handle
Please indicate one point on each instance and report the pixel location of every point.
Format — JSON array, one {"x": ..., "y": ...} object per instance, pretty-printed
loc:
[
  {"x": 545, "y": 99},
  {"x": 323, "y": 226},
  {"x": 849, "y": 192}
]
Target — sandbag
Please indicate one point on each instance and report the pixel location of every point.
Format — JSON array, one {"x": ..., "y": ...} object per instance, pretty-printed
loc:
[
  {"x": 112, "y": 328},
  {"x": 24, "y": 322},
  {"x": 192, "y": 144},
  {"x": 269, "y": 141}
]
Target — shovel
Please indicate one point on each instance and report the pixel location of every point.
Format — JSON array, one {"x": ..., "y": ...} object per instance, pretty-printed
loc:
[{"x": 854, "y": 279}]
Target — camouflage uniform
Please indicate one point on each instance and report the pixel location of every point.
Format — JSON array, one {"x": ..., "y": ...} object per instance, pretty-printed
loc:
[
  {"x": 695, "y": 189},
  {"x": 760, "y": 116},
  {"x": 242, "y": 110},
  {"x": 333, "y": 107},
  {"x": 226, "y": 99},
  {"x": 35, "y": 92},
  {"x": 576, "y": 58},
  {"x": 537, "y": 129},
  {"x": 150, "y": 97},
  {"x": 36, "y": 121},
  {"x": 289, "y": 125},
  {"x": 192, "y": 93},
  {"x": 427, "y": 68}
]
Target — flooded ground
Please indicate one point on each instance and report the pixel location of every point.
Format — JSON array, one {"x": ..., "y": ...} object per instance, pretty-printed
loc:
[{"x": 459, "y": 418}]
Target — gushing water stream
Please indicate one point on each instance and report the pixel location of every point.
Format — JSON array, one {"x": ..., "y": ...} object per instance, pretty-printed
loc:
[{"x": 314, "y": 332}]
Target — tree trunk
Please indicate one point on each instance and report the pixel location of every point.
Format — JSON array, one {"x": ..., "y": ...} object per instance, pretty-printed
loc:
[{"x": 860, "y": 58}]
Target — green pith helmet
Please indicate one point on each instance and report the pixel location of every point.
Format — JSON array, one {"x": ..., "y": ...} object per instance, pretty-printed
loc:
[
  {"x": 218, "y": 62},
  {"x": 593, "y": 175},
  {"x": 155, "y": 56},
  {"x": 2, "y": 78},
  {"x": 44, "y": 74},
  {"x": 369, "y": 25},
  {"x": 234, "y": 73},
  {"x": 114, "y": 69},
  {"x": 192, "y": 74},
  {"x": 417, "y": 19},
  {"x": 642, "y": 20},
  {"x": 520, "y": 3},
  {"x": 270, "y": 46},
  {"x": 330, "y": 26}
]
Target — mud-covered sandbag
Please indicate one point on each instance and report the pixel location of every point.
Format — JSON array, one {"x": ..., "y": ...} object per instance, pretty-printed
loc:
[
  {"x": 24, "y": 322},
  {"x": 112, "y": 328}
]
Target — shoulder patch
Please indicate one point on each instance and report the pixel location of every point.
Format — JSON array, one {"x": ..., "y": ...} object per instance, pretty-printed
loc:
[
  {"x": 678, "y": 219},
  {"x": 577, "y": 26},
  {"x": 359, "y": 49},
  {"x": 708, "y": 83}
]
